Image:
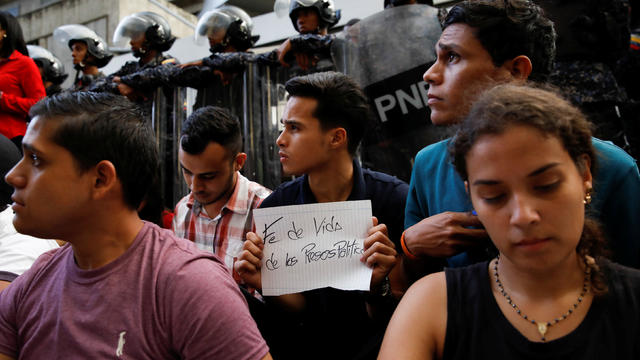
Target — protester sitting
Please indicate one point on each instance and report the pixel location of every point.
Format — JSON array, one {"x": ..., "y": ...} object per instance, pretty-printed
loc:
[
  {"x": 324, "y": 121},
  {"x": 218, "y": 212},
  {"x": 526, "y": 157},
  {"x": 20, "y": 84},
  {"x": 121, "y": 287},
  {"x": 482, "y": 44}
]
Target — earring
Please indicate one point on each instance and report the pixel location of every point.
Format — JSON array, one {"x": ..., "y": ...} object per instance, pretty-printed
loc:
[
  {"x": 4, "y": 36},
  {"x": 587, "y": 197}
]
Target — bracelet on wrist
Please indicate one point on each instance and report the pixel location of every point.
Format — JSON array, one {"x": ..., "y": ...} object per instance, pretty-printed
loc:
[{"x": 405, "y": 249}]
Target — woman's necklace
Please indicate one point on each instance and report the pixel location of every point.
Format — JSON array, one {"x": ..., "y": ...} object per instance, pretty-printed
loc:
[{"x": 543, "y": 326}]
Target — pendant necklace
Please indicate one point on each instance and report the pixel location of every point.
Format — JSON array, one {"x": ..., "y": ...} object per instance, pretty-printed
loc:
[{"x": 543, "y": 326}]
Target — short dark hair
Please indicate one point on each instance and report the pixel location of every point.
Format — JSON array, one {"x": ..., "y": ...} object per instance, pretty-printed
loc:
[
  {"x": 509, "y": 28},
  {"x": 211, "y": 124},
  {"x": 14, "y": 39},
  {"x": 341, "y": 103},
  {"x": 102, "y": 126}
]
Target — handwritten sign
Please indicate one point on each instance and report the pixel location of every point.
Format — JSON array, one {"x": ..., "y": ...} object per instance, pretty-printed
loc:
[{"x": 313, "y": 246}]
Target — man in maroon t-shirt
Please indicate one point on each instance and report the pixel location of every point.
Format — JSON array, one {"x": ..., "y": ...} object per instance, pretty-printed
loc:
[{"x": 121, "y": 287}]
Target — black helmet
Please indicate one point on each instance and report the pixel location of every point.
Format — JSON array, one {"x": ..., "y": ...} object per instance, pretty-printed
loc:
[
  {"x": 154, "y": 27},
  {"x": 327, "y": 13},
  {"x": 52, "y": 68},
  {"x": 96, "y": 46},
  {"x": 233, "y": 23}
]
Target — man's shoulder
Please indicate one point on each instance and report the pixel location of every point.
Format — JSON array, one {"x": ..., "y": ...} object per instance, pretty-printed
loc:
[
  {"x": 47, "y": 268},
  {"x": 257, "y": 189},
  {"x": 610, "y": 156},
  {"x": 432, "y": 165},
  {"x": 434, "y": 152},
  {"x": 285, "y": 194},
  {"x": 173, "y": 253},
  {"x": 182, "y": 209},
  {"x": 379, "y": 180}
]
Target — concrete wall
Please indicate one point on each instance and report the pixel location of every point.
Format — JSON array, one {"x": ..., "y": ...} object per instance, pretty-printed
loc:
[
  {"x": 40, "y": 23},
  {"x": 102, "y": 16}
]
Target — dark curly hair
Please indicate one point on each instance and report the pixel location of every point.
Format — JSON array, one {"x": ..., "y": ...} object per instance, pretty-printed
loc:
[
  {"x": 509, "y": 28},
  {"x": 508, "y": 105}
]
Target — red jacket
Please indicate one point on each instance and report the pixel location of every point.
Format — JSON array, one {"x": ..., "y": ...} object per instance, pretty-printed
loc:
[{"x": 21, "y": 87}]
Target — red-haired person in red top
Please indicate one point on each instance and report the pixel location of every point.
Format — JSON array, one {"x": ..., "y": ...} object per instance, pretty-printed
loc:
[{"x": 20, "y": 82}]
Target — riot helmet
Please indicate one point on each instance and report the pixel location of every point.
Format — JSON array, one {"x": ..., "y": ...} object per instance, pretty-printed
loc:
[
  {"x": 154, "y": 28},
  {"x": 67, "y": 35},
  {"x": 51, "y": 67},
  {"x": 328, "y": 16},
  {"x": 228, "y": 25}
]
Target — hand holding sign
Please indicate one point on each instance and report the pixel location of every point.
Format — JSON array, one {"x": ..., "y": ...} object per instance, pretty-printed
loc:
[
  {"x": 379, "y": 254},
  {"x": 376, "y": 250},
  {"x": 249, "y": 262},
  {"x": 314, "y": 246}
]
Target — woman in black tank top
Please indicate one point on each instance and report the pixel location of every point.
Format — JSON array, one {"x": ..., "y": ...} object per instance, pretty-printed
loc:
[{"x": 526, "y": 157}]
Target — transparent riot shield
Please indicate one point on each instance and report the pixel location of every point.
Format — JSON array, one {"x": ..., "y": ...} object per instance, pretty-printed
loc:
[
  {"x": 256, "y": 96},
  {"x": 183, "y": 105},
  {"x": 169, "y": 109},
  {"x": 264, "y": 102},
  {"x": 387, "y": 53}
]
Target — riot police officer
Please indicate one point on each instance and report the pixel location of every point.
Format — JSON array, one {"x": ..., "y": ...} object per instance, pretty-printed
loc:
[
  {"x": 51, "y": 68},
  {"x": 312, "y": 19},
  {"x": 228, "y": 31},
  {"x": 149, "y": 36},
  {"x": 88, "y": 50}
]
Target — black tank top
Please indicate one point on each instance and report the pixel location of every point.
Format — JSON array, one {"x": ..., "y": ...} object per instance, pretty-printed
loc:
[{"x": 477, "y": 329}]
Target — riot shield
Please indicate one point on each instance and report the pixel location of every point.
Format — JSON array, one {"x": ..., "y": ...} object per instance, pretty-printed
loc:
[
  {"x": 264, "y": 102},
  {"x": 387, "y": 53},
  {"x": 255, "y": 96}
]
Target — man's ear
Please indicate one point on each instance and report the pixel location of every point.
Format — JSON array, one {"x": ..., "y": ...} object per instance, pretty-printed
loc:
[
  {"x": 338, "y": 137},
  {"x": 520, "y": 67},
  {"x": 106, "y": 178},
  {"x": 238, "y": 162}
]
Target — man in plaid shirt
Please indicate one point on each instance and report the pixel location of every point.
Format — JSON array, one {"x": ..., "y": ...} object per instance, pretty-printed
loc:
[{"x": 218, "y": 211}]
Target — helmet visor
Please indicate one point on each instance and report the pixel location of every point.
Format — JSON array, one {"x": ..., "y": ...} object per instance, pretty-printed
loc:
[
  {"x": 36, "y": 52},
  {"x": 238, "y": 13},
  {"x": 281, "y": 8},
  {"x": 212, "y": 27},
  {"x": 132, "y": 27},
  {"x": 65, "y": 33}
]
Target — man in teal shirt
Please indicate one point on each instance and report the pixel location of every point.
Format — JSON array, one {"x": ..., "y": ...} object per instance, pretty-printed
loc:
[{"x": 483, "y": 44}]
